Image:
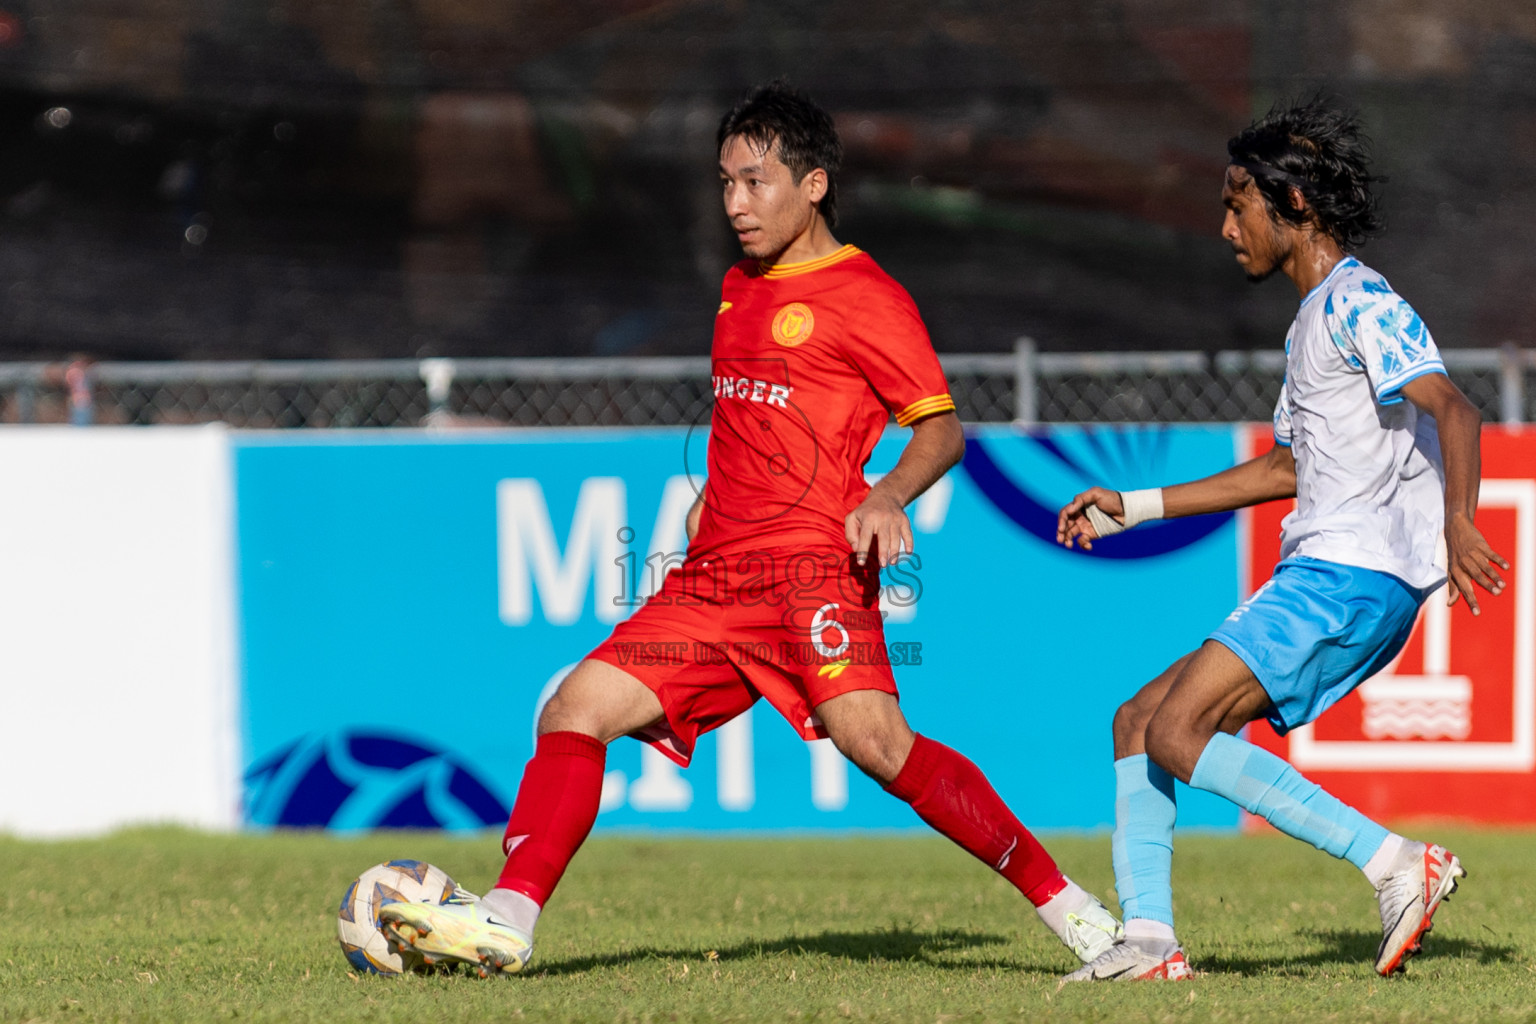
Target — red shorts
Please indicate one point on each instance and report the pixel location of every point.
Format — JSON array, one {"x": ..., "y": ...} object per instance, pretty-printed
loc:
[{"x": 794, "y": 627}]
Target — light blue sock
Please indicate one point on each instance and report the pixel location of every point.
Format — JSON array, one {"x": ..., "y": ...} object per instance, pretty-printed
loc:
[
  {"x": 1263, "y": 784},
  {"x": 1142, "y": 846}
]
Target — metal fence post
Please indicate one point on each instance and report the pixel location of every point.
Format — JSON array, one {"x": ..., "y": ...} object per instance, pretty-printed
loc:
[
  {"x": 1025, "y": 410},
  {"x": 1511, "y": 384},
  {"x": 437, "y": 375},
  {"x": 80, "y": 382}
]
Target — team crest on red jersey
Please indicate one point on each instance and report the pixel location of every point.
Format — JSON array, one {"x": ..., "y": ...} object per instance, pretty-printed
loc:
[{"x": 793, "y": 325}]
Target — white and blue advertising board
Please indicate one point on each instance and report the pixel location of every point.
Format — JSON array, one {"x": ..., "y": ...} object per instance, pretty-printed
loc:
[{"x": 408, "y": 600}]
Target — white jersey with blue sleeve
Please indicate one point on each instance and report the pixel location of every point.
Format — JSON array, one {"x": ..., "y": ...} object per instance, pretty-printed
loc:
[{"x": 1370, "y": 486}]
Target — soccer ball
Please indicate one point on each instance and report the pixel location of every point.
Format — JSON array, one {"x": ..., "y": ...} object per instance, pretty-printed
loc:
[{"x": 395, "y": 881}]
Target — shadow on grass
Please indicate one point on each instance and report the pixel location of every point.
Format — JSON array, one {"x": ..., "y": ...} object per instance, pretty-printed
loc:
[
  {"x": 897, "y": 944},
  {"x": 1342, "y": 948}
]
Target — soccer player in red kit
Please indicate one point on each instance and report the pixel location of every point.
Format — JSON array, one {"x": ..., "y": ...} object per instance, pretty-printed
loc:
[{"x": 815, "y": 348}]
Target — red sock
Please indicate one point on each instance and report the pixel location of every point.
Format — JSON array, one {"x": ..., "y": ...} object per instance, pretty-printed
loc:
[
  {"x": 951, "y": 794},
  {"x": 556, "y": 806}
]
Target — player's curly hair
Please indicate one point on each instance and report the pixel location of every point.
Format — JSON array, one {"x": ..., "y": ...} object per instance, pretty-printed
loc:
[
  {"x": 1322, "y": 150},
  {"x": 777, "y": 112}
]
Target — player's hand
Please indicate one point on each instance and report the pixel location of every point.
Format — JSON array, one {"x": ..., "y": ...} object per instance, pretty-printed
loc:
[
  {"x": 691, "y": 521},
  {"x": 1470, "y": 559},
  {"x": 1072, "y": 525},
  {"x": 880, "y": 521}
]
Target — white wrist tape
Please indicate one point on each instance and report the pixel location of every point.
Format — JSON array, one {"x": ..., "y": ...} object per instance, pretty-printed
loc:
[{"x": 1140, "y": 506}]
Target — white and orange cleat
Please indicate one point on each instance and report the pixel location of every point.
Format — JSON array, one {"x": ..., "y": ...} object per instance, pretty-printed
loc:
[
  {"x": 1136, "y": 960},
  {"x": 1409, "y": 898}
]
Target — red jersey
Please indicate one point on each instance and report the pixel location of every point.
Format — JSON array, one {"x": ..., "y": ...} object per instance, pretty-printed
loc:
[{"x": 810, "y": 360}]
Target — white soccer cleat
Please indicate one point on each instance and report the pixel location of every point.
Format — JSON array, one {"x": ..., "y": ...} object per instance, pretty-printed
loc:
[
  {"x": 1408, "y": 901},
  {"x": 465, "y": 932},
  {"x": 1091, "y": 930},
  {"x": 1135, "y": 960}
]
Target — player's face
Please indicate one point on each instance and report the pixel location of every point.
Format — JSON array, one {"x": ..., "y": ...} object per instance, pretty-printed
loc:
[
  {"x": 767, "y": 209},
  {"x": 1260, "y": 244}
]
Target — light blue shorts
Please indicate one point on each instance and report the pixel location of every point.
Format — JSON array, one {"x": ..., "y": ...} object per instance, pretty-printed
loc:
[{"x": 1316, "y": 631}]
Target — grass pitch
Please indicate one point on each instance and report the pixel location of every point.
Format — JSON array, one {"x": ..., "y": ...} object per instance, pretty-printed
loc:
[{"x": 165, "y": 925}]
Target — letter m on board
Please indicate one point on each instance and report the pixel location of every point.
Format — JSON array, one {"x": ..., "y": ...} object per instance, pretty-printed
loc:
[{"x": 529, "y": 557}]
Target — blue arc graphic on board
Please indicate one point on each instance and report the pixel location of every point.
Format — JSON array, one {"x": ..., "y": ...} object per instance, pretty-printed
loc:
[
  {"x": 1007, "y": 497},
  {"x": 348, "y": 779}
]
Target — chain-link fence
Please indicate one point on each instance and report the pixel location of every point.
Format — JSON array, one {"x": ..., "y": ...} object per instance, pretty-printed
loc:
[
  {"x": 1237, "y": 386},
  {"x": 1024, "y": 386}
]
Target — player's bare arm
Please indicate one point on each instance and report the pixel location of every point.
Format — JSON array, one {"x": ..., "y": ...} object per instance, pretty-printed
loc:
[
  {"x": 1469, "y": 557},
  {"x": 937, "y": 443},
  {"x": 1265, "y": 478}
]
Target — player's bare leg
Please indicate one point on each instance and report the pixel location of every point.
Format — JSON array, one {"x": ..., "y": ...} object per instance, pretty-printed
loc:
[
  {"x": 1411, "y": 878},
  {"x": 601, "y": 701},
  {"x": 556, "y": 805},
  {"x": 1191, "y": 735},
  {"x": 1131, "y": 718},
  {"x": 869, "y": 729},
  {"x": 1214, "y": 692},
  {"x": 953, "y": 796}
]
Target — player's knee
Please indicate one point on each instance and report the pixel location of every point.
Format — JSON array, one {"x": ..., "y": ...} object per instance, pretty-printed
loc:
[
  {"x": 873, "y": 752},
  {"x": 1166, "y": 739},
  {"x": 1129, "y": 727},
  {"x": 554, "y": 717},
  {"x": 566, "y": 713}
]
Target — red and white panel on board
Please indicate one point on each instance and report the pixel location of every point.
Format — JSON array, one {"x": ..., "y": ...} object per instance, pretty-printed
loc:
[{"x": 1449, "y": 729}]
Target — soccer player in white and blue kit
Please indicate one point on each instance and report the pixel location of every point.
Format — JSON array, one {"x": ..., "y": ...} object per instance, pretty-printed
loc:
[{"x": 1381, "y": 452}]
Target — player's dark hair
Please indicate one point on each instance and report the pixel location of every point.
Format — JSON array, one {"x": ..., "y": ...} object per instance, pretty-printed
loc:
[
  {"x": 777, "y": 112},
  {"x": 1321, "y": 150}
]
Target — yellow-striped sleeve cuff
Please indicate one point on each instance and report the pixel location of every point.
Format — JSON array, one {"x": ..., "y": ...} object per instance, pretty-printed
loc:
[{"x": 924, "y": 407}]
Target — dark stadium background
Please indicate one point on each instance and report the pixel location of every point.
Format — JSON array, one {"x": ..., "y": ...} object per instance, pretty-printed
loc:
[{"x": 245, "y": 179}]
